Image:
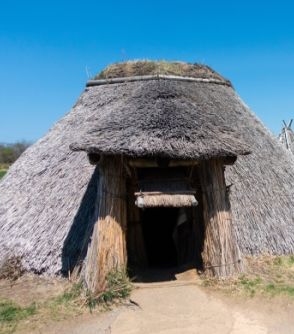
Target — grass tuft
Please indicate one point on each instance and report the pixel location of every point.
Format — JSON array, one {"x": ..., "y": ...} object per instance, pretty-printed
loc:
[
  {"x": 70, "y": 295},
  {"x": 118, "y": 288}
]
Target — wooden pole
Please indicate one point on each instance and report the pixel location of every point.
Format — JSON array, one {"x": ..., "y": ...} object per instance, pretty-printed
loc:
[
  {"x": 221, "y": 255},
  {"x": 107, "y": 250},
  {"x": 136, "y": 244}
]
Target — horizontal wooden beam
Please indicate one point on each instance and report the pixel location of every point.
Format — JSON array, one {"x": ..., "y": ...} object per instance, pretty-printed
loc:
[
  {"x": 180, "y": 192},
  {"x": 108, "y": 81}
]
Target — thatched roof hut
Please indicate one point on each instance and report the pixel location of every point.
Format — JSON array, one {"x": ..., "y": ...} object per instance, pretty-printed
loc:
[{"x": 132, "y": 115}]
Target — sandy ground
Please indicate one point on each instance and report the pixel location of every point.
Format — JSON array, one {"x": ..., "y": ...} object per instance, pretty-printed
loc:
[
  {"x": 182, "y": 306},
  {"x": 185, "y": 308}
]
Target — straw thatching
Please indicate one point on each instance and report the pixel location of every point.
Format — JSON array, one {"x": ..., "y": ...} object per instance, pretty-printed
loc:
[
  {"x": 153, "y": 200},
  {"x": 162, "y": 118},
  {"x": 48, "y": 199}
]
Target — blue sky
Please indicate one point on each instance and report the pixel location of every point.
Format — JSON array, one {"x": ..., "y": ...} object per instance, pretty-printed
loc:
[{"x": 45, "y": 47}]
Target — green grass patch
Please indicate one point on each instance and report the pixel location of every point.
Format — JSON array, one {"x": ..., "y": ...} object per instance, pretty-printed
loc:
[
  {"x": 250, "y": 285},
  {"x": 278, "y": 289},
  {"x": 70, "y": 295},
  {"x": 11, "y": 314},
  {"x": 2, "y": 173},
  {"x": 264, "y": 275},
  {"x": 271, "y": 276},
  {"x": 67, "y": 304}
]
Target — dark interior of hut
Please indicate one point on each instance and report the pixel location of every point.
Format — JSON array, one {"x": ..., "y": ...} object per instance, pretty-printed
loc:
[{"x": 159, "y": 227}]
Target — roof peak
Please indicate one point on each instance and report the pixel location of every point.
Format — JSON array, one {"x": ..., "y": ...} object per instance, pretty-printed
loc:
[{"x": 136, "y": 68}]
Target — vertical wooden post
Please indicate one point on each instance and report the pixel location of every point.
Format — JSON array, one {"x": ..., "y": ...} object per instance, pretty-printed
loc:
[
  {"x": 221, "y": 255},
  {"x": 136, "y": 245},
  {"x": 107, "y": 250}
]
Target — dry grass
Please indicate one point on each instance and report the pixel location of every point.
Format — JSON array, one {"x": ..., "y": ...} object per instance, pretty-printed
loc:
[
  {"x": 265, "y": 275},
  {"x": 12, "y": 269},
  {"x": 148, "y": 67}
]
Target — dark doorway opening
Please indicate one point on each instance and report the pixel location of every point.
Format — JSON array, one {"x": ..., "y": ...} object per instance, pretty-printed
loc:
[
  {"x": 159, "y": 226},
  {"x": 164, "y": 242}
]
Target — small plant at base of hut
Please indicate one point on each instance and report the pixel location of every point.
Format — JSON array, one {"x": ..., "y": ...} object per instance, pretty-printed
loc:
[
  {"x": 118, "y": 288},
  {"x": 12, "y": 268}
]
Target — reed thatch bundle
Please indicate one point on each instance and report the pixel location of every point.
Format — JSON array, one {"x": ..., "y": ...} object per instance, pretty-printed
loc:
[
  {"x": 166, "y": 200},
  {"x": 48, "y": 199}
]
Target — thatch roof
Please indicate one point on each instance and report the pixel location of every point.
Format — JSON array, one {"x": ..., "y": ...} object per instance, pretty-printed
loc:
[
  {"x": 161, "y": 117},
  {"x": 48, "y": 198}
]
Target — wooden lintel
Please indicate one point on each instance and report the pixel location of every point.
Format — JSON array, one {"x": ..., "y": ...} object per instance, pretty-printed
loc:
[{"x": 182, "y": 192}]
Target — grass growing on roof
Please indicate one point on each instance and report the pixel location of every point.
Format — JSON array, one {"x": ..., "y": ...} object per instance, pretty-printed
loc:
[{"x": 149, "y": 67}]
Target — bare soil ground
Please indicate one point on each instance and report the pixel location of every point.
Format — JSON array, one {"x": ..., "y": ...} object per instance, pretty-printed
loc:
[
  {"x": 31, "y": 288},
  {"x": 180, "y": 306}
]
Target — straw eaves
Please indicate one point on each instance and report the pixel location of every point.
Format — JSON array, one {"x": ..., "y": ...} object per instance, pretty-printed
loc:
[{"x": 162, "y": 118}]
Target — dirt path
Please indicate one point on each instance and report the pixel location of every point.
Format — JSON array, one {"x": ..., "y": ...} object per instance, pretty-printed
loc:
[{"x": 182, "y": 307}]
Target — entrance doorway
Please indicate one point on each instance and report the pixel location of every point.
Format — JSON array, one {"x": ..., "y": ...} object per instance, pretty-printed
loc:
[{"x": 165, "y": 230}]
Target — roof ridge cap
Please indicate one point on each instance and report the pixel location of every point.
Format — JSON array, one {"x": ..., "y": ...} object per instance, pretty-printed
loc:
[{"x": 99, "y": 82}]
